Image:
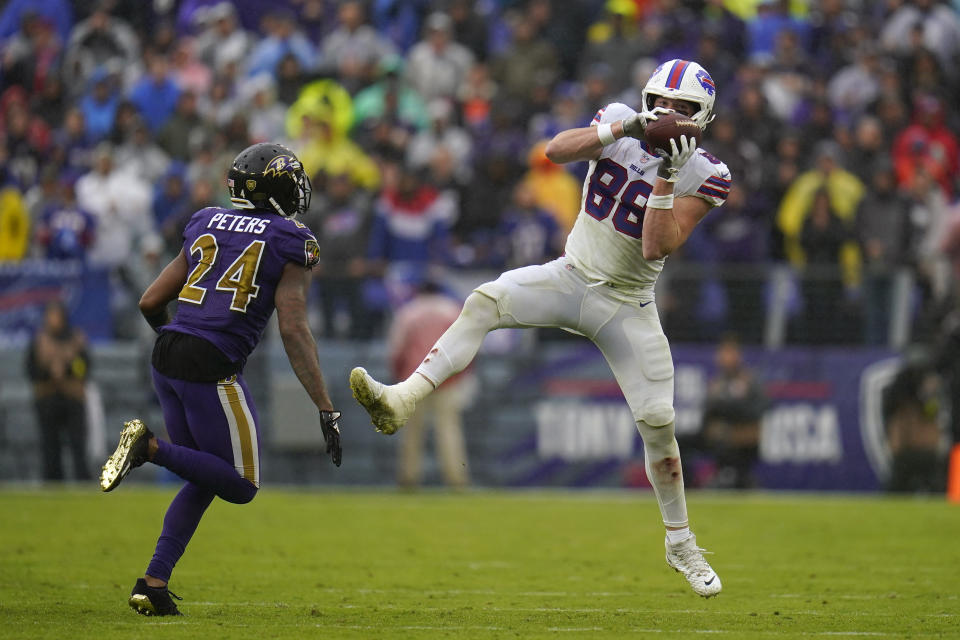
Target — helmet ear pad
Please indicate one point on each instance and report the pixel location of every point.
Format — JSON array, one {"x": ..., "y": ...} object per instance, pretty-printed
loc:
[{"x": 269, "y": 176}]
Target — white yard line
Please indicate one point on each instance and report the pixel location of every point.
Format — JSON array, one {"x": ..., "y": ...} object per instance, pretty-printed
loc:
[
  {"x": 490, "y": 592},
  {"x": 410, "y": 627},
  {"x": 277, "y": 605},
  {"x": 455, "y": 628},
  {"x": 630, "y": 610}
]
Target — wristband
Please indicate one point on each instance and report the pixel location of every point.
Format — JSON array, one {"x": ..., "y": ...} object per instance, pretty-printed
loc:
[
  {"x": 605, "y": 133},
  {"x": 158, "y": 319},
  {"x": 660, "y": 202}
]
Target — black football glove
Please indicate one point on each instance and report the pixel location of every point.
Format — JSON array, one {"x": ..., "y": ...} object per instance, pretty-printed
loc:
[{"x": 329, "y": 423}]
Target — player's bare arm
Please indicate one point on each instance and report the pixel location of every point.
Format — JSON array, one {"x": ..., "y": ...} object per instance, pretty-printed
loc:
[
  {"x": 665, "y": 230},
  {"x": 586, "y": 143},
  {"x": 298, "y": 342},
  {"x": 166, "y": 287},
  {"x": 582, "y": 143}
]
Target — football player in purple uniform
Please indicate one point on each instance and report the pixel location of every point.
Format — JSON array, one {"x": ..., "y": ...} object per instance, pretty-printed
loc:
[{"x": 235, "y": 267}]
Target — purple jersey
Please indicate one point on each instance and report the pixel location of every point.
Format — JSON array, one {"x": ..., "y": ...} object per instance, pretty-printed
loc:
[{"x": 235, "y": 260}]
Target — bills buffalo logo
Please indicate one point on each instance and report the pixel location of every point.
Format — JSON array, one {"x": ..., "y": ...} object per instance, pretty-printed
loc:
[
  {"x": 281, "y": 165},
  {"x": 312, "y": 252},
  {"x": 706, "y": 82}
]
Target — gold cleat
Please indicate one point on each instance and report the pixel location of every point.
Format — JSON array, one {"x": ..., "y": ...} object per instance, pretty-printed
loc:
[
  {"x": 142, "y": 605},
  {"x": 153, "y": 601},
  {"x": 131, "y": 453}
]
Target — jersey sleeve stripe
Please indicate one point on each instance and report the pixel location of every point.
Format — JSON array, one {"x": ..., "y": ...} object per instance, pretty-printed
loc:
[
  {"x": 712, "y": 192},
  {"x": 715, "y": 187},
  {"x": 719, "y": 182}
]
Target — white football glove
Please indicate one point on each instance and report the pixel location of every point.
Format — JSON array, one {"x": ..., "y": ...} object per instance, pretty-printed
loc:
[
  {"x": 676, "y": 158},
  {"x": 634, "y": 125}
]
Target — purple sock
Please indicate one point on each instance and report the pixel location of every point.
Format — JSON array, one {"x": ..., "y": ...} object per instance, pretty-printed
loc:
[
  {"x": 205, "y": 470},
  {"x": 181, "y": 521}
]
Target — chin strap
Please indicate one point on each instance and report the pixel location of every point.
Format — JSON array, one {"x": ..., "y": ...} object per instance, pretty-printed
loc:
[{"x": 276, "y": 207}]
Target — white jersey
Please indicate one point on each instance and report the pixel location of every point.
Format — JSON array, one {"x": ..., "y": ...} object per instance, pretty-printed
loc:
[{"x": 605, "y": 242}]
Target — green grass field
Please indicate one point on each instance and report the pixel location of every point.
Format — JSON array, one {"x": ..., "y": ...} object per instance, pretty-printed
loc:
[{"x": 340, "y": 564}]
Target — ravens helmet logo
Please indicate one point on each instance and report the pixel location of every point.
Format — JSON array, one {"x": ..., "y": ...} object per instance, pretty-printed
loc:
[{"x": 281, "y": 165}]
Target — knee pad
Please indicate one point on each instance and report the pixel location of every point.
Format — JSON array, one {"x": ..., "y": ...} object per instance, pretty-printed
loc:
[
  {"x": 481, "y": 309},
  {"x": 658, "y": 413},
  {"x": 658, "y": 441}
]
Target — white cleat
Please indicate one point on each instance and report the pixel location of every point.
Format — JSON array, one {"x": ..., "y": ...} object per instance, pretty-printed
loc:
[
  {"x": 389, "y": 410},
  {"x": 687, "y": 558}
]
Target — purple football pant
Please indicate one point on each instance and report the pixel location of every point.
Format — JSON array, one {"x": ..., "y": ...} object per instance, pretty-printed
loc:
[{"x": 214, "y": 446}]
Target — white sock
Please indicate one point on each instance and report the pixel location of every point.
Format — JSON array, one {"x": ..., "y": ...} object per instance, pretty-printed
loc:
[
  {"x": 662, "y": 460},
  {"x": 416, "y": 385},
  {"x": 459, "y": 344},
  {"x": 678, "y": 535}
]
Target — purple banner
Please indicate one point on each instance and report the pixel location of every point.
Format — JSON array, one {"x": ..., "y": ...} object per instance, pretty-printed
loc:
[
  {"x": 27, "y": 287},
  {"x": 823, "y": 428}
]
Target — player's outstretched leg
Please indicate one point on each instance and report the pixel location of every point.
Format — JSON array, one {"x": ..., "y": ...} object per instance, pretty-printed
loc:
[
  {"x": 132, "y": 451},
  {"x": 389, "y": 406},
  {"x": 687, "y": 558},
  {"x": 153, "y": 601}
]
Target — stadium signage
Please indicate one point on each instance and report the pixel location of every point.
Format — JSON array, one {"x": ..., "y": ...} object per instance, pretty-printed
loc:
[
  {"x": 574, "y": 430},
  {"x": 801, "y": 433},
  {"x": 823, "y": 429}
]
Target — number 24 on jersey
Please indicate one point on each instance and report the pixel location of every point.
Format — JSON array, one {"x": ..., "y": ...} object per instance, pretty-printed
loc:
[{"x": 239, "y": 279}]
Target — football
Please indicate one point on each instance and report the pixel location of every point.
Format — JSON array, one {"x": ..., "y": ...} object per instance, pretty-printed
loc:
[{"x": 671, "y": 126}]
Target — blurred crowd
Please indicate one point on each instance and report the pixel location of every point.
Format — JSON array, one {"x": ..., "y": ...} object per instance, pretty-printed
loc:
[{"x": 422, "y": 125}]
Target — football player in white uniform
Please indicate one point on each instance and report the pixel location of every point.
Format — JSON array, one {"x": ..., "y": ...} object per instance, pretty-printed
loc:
[{"x": 637, "y": 207}]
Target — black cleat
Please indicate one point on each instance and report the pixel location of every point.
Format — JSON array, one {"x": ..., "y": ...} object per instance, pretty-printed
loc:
[
  {"x": 130, "y": 454},
  {"x": 153, "y": 601}
]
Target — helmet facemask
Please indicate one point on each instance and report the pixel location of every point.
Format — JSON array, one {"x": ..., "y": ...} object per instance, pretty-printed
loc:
[
  {"x": 299, "y": 203},
  {"x": 304, "y": 191}
]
